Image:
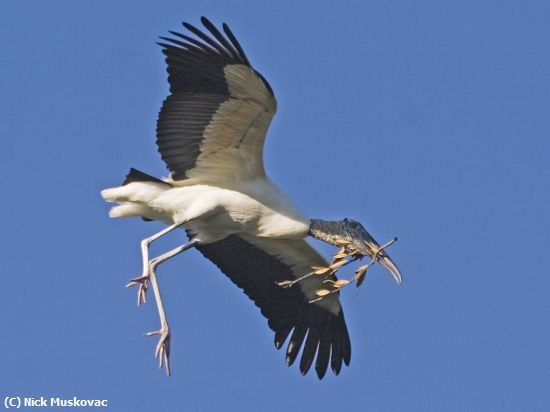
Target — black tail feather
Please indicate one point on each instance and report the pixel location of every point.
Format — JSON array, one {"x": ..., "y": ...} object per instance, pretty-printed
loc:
[{"x": 135, "y": 175}]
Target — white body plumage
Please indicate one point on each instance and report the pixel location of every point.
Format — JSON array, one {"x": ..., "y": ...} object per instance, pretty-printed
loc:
[{"x": 210, "y": 213}]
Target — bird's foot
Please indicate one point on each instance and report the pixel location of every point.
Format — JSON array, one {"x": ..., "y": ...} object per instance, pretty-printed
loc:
[
  {"x": 162, "y": 352},
  {"x": 142, "y": 281}
]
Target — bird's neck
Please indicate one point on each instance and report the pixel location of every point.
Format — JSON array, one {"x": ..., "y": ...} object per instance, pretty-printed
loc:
[{"x": 326, "y": 230}]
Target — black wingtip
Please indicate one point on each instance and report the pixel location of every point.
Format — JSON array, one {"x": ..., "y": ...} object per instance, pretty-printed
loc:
[
  {"x": 165, "y": 38},
  {"x": 323, "y": 354},
  {"x": 346, "y": 355},
  {"x": 305, "y": 364},
  {"x": 291, "y": 355},
  {"x": 188, "y": 26},
  {"x": 336, "y": 357},
  {"x": 347, "y": 359},
  {"x": 295, "y": 344},
  {"x": 321, "y": 372},
  {"x": 310, "y": 348},
  {"x": 288, "y": 360},
  {"x": 280, "y": 336},
  {"x": 236, "y": 43}
]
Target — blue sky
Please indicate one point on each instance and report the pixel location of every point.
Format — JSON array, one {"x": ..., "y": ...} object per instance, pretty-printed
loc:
[{"x": 425, "y": 120}]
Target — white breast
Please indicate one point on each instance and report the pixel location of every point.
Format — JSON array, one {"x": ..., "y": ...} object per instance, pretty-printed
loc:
[{"x": 257, "y": 208}]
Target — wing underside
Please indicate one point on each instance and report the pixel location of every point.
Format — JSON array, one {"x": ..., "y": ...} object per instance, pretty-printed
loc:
[
  {"x": 254, "y": 265},
  {"x": 212, "y": 126}
]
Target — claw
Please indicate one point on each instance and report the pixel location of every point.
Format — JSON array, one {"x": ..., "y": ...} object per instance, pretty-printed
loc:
[
  {"x": 142, "y": 292},
  {"x": 162, "y": 351}
]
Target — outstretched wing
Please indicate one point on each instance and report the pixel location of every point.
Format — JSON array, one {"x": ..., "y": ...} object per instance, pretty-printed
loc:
[
  {"x": 255, "y": 264},
  {"x": 212, "y": 127}
]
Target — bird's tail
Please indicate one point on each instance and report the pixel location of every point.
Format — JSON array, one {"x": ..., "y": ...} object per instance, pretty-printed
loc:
[
  {"x": 135, "y": 195},
  {"x": 135, "y": 175}
]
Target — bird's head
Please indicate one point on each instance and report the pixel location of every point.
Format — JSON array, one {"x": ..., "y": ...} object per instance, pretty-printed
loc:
[{"x": 353, "y": 233}]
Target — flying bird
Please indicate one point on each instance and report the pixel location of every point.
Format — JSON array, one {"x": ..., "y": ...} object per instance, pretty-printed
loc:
[{"x": 210, "y": 133}]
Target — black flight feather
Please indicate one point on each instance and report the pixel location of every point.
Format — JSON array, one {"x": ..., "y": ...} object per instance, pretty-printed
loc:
[
  {"x": 212, "y": 29},
  {"x": 257, "y": 272},
  {"x": 236, "y": 43},
  {"x": 205, "y": 38}
]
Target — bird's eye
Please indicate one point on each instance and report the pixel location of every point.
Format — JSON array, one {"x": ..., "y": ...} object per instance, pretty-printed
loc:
[{"x": 353, "y": 224}]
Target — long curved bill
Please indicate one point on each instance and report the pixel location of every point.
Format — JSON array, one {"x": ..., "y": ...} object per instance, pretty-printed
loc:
[
  {"x": 370, "y": 247},
  {"x": 390, "y": 266}
]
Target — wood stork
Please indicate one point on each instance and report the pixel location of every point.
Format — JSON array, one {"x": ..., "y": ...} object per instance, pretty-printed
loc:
[{"x": 210, "y": 133}]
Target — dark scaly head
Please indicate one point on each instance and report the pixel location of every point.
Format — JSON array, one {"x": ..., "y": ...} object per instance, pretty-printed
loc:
[{"x": 348, "y": 230}]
